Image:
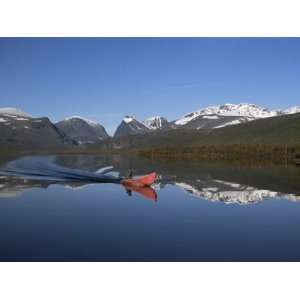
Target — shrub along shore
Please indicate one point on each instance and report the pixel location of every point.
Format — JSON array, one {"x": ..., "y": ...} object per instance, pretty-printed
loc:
[
  {"x": 232, "y": 152},
  {"x": 235, "y": 152}
]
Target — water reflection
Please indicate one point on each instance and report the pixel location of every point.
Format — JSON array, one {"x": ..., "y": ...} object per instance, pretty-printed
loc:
[
  {"x": 230, "y": 192},
  {"x": 230, "y": 184},
  {"x": 42, "y": 171}
]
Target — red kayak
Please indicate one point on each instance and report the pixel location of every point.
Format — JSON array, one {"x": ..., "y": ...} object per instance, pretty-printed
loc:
[{"x": 144, "y": 181}]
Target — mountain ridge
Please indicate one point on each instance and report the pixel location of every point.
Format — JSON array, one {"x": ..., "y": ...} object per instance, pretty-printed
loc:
[
  {"x": 19, "y": 126},
  {"x": 215, "y": 116}
]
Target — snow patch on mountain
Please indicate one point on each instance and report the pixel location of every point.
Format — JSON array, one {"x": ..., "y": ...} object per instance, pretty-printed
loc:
[
  {"x": 211, "y": 117},
  {"x": 21, "y": 119},
  {"x": 11, "y": 111},
  {"x": 155, "y": 122},
  {"x": 187, "y": 118},
  {"x": 234, "y": 122},
  {"x": 90, "y": 122},
  {"x": 128, "y": 119},
  {"x": 292, "y": 110}
]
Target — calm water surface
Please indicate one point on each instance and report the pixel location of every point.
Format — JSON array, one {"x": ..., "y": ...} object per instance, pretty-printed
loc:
[{"x": 203, "y": 212}]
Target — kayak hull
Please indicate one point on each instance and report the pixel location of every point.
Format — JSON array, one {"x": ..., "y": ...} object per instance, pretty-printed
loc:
[{"x": 144, "y": 181}]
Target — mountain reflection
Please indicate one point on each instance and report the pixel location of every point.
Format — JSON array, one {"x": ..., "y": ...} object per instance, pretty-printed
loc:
[
  {"x": 214, "y": 182},
  {"x": 230, "y": 192}
]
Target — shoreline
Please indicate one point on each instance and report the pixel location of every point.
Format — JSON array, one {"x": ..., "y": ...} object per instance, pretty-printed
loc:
[{"x": 245, "y": 153}]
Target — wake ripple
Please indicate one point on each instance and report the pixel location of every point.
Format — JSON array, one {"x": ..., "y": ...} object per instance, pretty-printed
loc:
[{"x": 44, "y": 167}]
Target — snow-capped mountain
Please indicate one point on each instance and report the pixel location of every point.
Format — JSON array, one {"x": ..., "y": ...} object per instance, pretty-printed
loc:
[
  {"x": 156, "y": 123},
  {"x": 19, "y": 130},
  {"x": 82, "y": 130},
  {"x": 224, "y": 115},
  {"x": 211, "y": 117},
  {"x": 130, "y": 126}
]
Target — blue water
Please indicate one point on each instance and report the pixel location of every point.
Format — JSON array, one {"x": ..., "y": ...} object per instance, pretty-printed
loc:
[{"x": 209, "y": 213}]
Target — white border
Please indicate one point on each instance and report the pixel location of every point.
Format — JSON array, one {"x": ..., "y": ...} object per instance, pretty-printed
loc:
[
  {"x": 149, "y": 18},
  {"x": 149, "y": 281}
]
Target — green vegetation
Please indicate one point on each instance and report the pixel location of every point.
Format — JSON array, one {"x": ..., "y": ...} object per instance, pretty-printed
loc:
[{"x": 242, "y": 152}]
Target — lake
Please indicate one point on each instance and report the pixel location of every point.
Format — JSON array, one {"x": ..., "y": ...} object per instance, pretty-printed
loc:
[{"x": 196, "y": 211}]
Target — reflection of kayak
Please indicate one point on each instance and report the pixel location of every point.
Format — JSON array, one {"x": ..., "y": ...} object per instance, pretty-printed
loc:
[
  {"x": 147, "y": 192},
  {"x": 144, "y": 181}
]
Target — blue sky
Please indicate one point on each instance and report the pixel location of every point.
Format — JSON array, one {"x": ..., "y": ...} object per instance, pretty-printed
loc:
[{"x": 107, "y": 78}]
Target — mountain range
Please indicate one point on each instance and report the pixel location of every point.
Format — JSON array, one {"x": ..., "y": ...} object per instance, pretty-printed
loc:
[
  {"x": 278, "y": 130},
  {"x": 19, "y": 129},
  {"x": 205, "y": 118}
]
